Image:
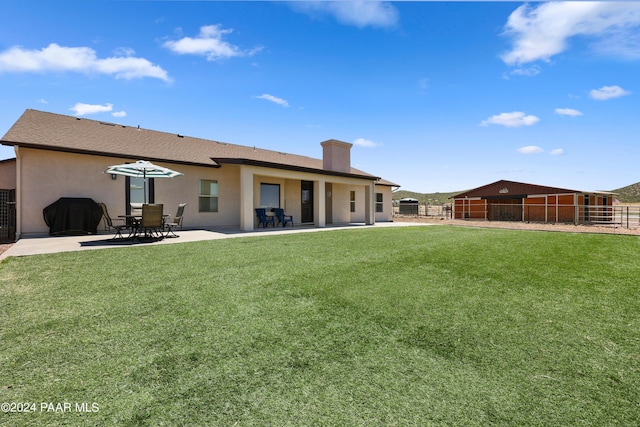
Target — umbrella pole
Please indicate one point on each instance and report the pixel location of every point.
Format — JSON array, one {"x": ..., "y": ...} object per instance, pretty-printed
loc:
[{"x": 144, "y": 186}]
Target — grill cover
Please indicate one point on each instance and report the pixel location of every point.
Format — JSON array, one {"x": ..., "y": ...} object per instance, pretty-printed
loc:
[{"x": 72, "y": 216}]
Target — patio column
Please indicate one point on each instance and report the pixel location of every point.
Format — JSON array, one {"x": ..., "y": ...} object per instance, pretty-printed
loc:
[
  {"x": 246, "y": 199},
  {"x": 369, "y": 204},
  {"x": 319, "y": 203}
]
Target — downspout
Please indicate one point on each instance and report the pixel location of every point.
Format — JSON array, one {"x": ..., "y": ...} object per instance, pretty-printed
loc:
[{"x": 16, "y": 149}]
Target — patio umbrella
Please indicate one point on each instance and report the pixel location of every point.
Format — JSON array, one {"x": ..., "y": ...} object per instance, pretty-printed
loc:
[{"x": 142, "y": 169}]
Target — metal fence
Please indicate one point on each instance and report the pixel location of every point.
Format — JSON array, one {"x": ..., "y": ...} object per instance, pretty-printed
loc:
[
  {"x": 614, "y": 216},
  {"x": 423, "y": 210},
  {"x": 617, "y": 216}
]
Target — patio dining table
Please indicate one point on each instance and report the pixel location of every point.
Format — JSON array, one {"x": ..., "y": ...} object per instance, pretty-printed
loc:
[{"x": 134, "y": 222}]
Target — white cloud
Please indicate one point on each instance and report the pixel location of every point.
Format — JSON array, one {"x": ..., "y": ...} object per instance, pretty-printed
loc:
[
  {"x": 524, "y": 72},
  {"x": 514, "y": 119},
  {"x": 608, "y": 92},
  {"x": 208, "y": 43},
  {"x": 77, "y": 59},
  {"x": 361, "y": 142},
  {"x": 119, "y": 114},
  {"x": 42, "y": 101},
  {"x": 557, "y": 152},
  {"x": 83, "y": 109},
  {"x": 568, "y": 112},
  {"x": 530, "y": 149},
  {"x": 124, "y": 51},
  {"x": 542, "y": 31},
  {"x": 359, "y": 13},
  {"x": 274, "y": 99}
]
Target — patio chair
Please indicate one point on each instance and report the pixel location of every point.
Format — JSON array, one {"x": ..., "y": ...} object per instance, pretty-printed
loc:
[
  {"x": 136, "y": 209},
  {"x": 282, "y": 218},
  {"x": 174, "y": 222},
  {"x": 264, "y": 219},
  {"x": 152, "y": 221},
  {"x": 111, "y": 225}
]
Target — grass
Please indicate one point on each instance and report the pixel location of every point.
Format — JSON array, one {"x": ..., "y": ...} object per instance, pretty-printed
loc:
[{"x": 404, "y": 326}]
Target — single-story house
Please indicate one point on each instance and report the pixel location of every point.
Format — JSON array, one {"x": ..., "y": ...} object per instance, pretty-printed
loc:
[
  {"x": 516, "y": 201},
  {"x": 222, "y": 184}
]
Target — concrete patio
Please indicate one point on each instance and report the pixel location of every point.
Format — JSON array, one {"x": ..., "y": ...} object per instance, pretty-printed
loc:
[{"x": 50, "y": 244}]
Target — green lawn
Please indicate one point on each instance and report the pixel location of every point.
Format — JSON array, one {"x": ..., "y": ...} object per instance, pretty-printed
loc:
[{"x": 400, "y": 326}]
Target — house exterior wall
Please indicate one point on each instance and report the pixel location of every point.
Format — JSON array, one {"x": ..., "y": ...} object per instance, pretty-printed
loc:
[
  {"x": 185, "y": 189},
  {"x": 358, "y": 215},
  {"x": 387, "y": 203},
  {"x": 341, "y": 213},
  {"x": 45, "y": 176},
  {"x": 8, "y": 175},
  {"x": 291, "y": 202}
]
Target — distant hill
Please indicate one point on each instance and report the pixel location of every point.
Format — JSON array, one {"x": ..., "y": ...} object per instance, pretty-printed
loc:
[
  {"x": 628, "y": 194},
  {"x": 425, "y": 198}
]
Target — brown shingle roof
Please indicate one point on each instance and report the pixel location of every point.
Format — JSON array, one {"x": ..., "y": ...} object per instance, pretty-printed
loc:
[
  {"x": 504, "y": 188},
  {"x": 39, "y": 129}
]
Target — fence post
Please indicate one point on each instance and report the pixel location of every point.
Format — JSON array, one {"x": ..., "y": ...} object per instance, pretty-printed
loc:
[{"x": 627, "y": 216}]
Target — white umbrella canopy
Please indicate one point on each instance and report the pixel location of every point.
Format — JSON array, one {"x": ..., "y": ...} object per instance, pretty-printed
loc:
[{"x": 142, "y": 169}]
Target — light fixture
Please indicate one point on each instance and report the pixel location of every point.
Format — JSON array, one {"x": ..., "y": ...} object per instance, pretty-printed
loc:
[{"x": 114, "y": 176}]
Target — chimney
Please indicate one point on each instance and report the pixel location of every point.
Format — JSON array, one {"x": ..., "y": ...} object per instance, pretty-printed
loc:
[{"x": 336, "y": 156}]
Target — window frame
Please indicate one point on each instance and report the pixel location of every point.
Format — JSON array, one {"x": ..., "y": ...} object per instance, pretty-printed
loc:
[
  {"x": 210, "y": 197},
  {"x": 379, "y": 202},
  {"x": 264, "y": 201}
]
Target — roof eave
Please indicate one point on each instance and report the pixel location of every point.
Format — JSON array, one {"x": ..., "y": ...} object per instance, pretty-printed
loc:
[{"x": 260, "y": 163}]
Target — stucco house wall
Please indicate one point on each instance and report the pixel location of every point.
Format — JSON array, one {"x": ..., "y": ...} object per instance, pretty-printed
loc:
[
  {"x": 8, "y": 174},
  {"x": 387, "y": 203},
  {"x": 78, "y": 175}
]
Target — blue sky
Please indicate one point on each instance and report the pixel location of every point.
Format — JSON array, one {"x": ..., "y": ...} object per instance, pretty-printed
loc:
[{"x": 435, "y": 96}]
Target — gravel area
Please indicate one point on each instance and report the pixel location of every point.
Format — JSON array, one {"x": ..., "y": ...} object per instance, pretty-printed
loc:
[{"x": 602, "y": 229}]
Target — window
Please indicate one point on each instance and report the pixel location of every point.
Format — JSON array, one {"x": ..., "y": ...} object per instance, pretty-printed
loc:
[
  {"x": 353, "y": 201},
  {"x": 208, "y": 196},
  {"x": 139, "y": 191},
  {"x": 269, "y": 196},
  {"x": 379, "y": 203}
]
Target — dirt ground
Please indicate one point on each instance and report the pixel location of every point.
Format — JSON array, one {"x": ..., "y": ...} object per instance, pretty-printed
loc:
[
  {"x": 4, "y": 247},
  {"x": 604, "y": 229}
]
